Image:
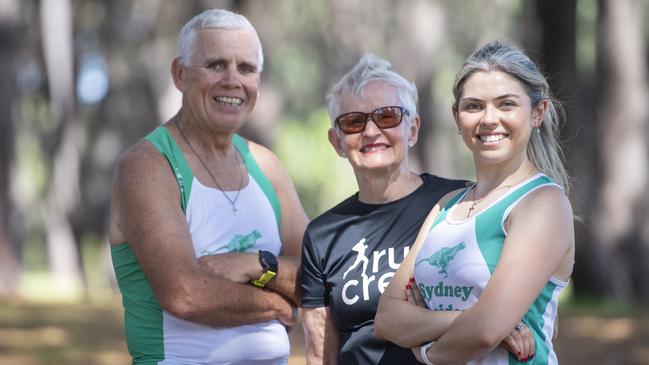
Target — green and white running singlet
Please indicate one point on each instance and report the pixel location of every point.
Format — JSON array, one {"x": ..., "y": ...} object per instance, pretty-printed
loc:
[
  {"x": 458, "y": 258},
  {"x": 156, "y": 337}
]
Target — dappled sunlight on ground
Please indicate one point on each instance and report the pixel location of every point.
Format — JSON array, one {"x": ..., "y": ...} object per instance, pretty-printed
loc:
[
  {"x": 589, "y": 339},
  {"x": 33, "y": 337},
  {"x": 607, "y": 330},
  {"x": 75, "y": 334},
  {"x": 71, "y": 334}
]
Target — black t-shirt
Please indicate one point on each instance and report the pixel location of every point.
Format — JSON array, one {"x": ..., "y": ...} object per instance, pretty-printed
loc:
[{"x": 351, "y": 252}]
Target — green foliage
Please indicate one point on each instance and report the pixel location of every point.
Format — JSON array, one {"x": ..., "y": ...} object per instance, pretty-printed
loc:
[
  {"x": 586, "y": 41},
  {"x": 589, "y": 304},
  {"x": 297, "y": 72},
  {"x": 320, "y": 176}
]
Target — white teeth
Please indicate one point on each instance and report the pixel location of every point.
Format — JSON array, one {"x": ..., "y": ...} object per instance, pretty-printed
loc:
[
  {"x": 373, "y": 148},
  {"x": 492, "y": 138},
  {"x": 228, "y": 100}
]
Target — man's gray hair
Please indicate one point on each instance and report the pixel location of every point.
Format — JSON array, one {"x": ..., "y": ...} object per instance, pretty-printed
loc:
[
  {"x": 371, "y": 68},
  {"x": 214, "y": 19}
]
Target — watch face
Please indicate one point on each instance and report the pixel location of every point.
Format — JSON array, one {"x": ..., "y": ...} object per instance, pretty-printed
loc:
[{"x": 268, "y": 260}]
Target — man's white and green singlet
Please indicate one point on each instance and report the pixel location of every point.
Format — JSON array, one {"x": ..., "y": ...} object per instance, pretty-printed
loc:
[
  {"x": 156, "y": 337},
  {"x": 458, "y": 258}
]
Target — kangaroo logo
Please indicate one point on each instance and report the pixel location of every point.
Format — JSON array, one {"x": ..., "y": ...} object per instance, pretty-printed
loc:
[
  {"x": 442, "y": 258},
  {"x": 359, "y": 248},
  {"x": 241, "y": 242}
]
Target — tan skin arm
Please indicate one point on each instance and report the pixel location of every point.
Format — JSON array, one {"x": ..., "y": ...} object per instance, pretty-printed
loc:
[
  {"x": 243, "y": 267},
  {"x": 539, "y": 245},
  {"x": 321, "y": 336},
  {"x": 403, "y": 322},
  {"x": 403, "y": 318},
  {"x": 145, "y": 213}
]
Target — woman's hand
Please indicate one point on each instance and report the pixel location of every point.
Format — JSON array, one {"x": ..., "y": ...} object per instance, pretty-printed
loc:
[
  {"x": 413, "y": 295},
  {"x": 520, "y": 342}
]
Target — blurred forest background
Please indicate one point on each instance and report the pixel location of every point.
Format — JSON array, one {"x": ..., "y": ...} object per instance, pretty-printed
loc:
[{"x": 82, "y": 80}]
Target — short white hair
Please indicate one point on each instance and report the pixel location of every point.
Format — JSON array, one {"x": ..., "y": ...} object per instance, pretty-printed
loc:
[
  {"x": 371, "y": 68},
  {"x": 214, "y": 19}
]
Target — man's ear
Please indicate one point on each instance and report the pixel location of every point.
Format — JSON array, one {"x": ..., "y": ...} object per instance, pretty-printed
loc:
[
  {"x": 335, "y": 142},
  {"x": 178, "y": 74}
]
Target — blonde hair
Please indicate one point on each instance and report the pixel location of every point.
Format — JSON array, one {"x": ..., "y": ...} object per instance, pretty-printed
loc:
[{"x": 543, "y": 149}]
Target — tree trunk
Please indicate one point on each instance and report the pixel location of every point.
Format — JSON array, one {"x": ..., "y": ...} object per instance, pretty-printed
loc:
[
  {"x": 63, "y": 192},
  {"x": 620, "y": 218},
  {"x": 557, "y": 45},
  {"x": 10, "y": 263}
]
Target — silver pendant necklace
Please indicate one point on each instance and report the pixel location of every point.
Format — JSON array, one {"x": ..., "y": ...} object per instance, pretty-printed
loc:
[{"x": 232, "y": 202}]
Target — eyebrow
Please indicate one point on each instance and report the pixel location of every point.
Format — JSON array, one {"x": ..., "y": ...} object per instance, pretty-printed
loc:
[
  {"x": 248, "y": 64},
  {"x": 210, "y": 61},
  {"x": 505, "y": 96}
]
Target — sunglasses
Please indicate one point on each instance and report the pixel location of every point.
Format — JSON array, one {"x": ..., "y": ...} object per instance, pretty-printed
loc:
[{"x": 384, "y": 117}]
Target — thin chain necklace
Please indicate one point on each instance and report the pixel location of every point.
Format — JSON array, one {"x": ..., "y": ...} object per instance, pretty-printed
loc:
[
  {"x": 232, "y": 202},
  {"x": 476, "y": 202}
]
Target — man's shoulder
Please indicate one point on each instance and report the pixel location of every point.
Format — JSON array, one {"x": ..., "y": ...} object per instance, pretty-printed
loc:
[
  {"x": 141, "y": 162},
  {"x": 269, "y": 163},
  {"x": 141, "y": 153},
  {"x": 264, "y": 157}
]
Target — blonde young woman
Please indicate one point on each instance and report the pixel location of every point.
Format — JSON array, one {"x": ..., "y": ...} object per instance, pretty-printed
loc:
[{"x": 496, "y": 255}]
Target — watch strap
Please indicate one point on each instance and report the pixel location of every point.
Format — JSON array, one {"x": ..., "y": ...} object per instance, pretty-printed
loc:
[{"x": 263, "y": 279}]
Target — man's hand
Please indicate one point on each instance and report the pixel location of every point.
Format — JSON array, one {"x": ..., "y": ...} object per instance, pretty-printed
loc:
[
  {"x": 288, "y": 317},
  {"x": 240, "y": 267}
]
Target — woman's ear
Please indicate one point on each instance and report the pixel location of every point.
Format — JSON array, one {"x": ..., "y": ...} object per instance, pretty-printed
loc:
[
  {"x": 178, "y": 74},
  {"x": 335, "y": 142},
  {"x": 454, "y": 112},
  {"x": 414, "y": 129},
  {"x": 539, "y": 112},
  {"x": 456, "y": 118}
]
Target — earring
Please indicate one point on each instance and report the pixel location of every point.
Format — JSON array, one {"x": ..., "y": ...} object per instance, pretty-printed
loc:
[
  {"x": 537, "y": 130},
  {"x": 343, "y": 155},
  {"x": 411, "y": 143},
  {"x": 459, "y": 131}
]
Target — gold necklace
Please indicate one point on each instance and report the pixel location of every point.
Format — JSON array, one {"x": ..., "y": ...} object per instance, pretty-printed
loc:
[
  {"x": 476, "y": 202},
  {"x": 232, "y": 202}
]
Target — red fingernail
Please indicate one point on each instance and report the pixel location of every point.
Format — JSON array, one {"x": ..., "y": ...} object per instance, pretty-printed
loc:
[
  {"x": 412, "y": 280},
  {"x": 407, "y": 286},
  {"x": 531, "y": 356},
  {"x": 524, "y": 359},
  {"x": 518, "y": 353}
]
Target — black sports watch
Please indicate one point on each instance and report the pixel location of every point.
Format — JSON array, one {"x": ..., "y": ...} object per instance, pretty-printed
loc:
[{"x": 269, "y": 264}]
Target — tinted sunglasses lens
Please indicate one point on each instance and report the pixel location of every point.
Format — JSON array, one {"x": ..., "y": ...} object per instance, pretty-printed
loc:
[
  {"x": 352, "y": 122},
  {"x": 387, "y": 117}
]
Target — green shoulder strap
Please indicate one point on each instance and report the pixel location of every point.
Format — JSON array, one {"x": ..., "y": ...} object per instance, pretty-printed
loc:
[
  {"x": 253, "y": 168},
  {"x": 165, "y": 144}
]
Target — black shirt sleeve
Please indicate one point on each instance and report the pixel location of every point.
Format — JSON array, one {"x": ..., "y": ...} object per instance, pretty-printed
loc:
[{"x": 312, "y": 277}]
